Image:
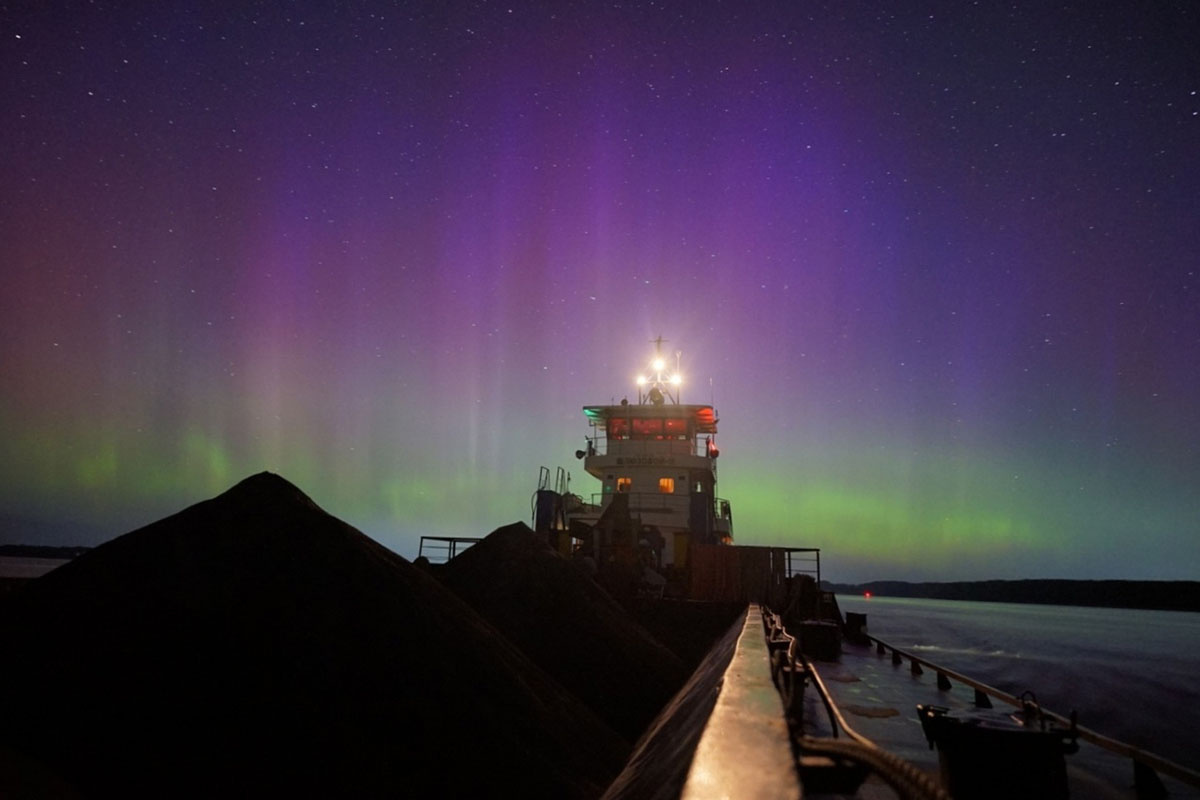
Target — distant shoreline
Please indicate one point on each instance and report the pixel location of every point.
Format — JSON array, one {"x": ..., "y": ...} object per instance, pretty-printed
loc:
[
  {"x": 41, "y": 551},
  {"x": 1138, "y": 594},
  {"x": 1150, "y": 595}
]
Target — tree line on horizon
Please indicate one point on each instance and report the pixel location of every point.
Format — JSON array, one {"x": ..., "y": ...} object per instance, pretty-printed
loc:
[{"x": 1140, "y": 594}]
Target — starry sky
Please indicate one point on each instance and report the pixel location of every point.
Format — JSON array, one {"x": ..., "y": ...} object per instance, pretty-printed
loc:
[{"x": 934, "y": 263}]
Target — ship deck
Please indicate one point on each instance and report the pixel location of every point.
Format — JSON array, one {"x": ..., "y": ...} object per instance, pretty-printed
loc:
[{"x": 878, "y": 698}]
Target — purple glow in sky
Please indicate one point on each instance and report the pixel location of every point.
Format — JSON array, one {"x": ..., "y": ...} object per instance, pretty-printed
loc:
[{"x": 935, "y": 266}]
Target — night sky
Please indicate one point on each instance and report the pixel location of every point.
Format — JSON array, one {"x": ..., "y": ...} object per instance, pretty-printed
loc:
[{"x": 936, "y": 265}]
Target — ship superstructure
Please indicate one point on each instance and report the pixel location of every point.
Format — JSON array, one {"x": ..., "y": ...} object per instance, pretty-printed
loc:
[
  {"x": 661, "y": 456},
  {"x": 656, "y": 461}
]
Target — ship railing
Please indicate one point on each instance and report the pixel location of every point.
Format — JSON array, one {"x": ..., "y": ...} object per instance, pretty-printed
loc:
[
  {"x": 1146, "y": 765},
  {"x": 440, "y": 549},
  {"x": 843, "y": 758},
  {"x": 640, "y": 501},
  {"x": 802, "y": 561},
  {"x": 807, "y": 561},
  {"x": 684, "y": 446}
]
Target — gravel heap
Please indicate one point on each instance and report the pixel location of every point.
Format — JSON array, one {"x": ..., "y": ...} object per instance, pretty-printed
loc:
[
  {"x": 557, "y": 614},
  {"x": 253, "y": 644}
]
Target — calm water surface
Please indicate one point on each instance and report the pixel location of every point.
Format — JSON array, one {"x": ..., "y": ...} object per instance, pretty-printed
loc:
[{"x": 1133, "y": 675}]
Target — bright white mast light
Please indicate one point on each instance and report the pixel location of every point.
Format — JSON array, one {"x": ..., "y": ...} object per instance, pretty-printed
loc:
[{"x": 659, "y": 380}]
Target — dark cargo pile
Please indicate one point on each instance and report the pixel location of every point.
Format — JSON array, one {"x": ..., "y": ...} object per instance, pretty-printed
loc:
[
  {"x": 568, "y": 625},
  {"x": 255, "y": 645}
]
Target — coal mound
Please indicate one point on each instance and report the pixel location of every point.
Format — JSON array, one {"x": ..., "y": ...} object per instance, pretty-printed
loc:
[
  {"x": 253, "y": 644},
  {"x": 568, "y": 625}
]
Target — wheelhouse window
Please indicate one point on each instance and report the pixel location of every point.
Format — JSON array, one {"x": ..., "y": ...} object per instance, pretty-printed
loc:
[
  {"x": 666, "y": 485},
  {"x": 654, "y": 428},
  {"x": 647, "y": 428},
  {"x": 624, "y": 484},
  {"x": 676, "y": 428}
]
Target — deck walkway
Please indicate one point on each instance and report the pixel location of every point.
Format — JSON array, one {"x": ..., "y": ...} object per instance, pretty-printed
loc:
[{"x": 879, "y": 696}]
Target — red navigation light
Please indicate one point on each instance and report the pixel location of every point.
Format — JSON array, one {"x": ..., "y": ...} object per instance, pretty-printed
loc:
[{"x": 867, "y": 595}]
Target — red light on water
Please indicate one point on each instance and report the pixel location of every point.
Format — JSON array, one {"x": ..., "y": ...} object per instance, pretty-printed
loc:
[{"x": 867, "y": 595}]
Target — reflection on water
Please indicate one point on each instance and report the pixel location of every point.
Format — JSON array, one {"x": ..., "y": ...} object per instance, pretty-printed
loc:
[
  {"x": 28, "y": 568},
  {"x": 1130, "y": 673}
]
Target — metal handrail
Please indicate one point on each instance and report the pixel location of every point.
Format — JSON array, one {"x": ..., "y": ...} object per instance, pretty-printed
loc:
[
  {"x": 908, "y": 781},
  {"x": 799, "y": 567},
  {"x": 446, "y": 547},
  {"x": 679, "y": 446},
  {"x": 835, "y": 714},
  {"x": 1139, "y": 756},
  {"x": 676, "y": 500}
]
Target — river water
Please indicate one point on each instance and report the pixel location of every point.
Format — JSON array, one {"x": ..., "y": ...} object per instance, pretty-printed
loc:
[{"x": 1132, "y": 675}]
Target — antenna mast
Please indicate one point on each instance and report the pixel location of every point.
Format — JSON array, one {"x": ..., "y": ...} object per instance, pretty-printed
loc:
[{"x": 659, "y": 385}]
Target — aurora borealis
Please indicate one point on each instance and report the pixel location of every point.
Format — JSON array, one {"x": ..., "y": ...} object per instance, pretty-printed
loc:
[{"x": 935, "y": 265}]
